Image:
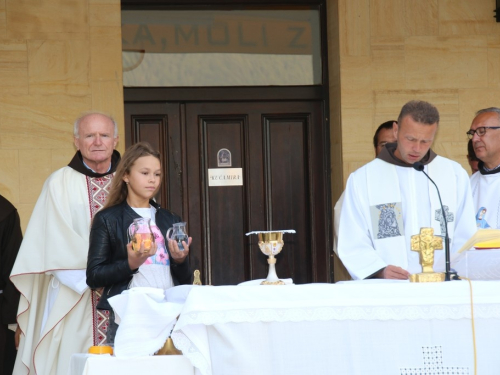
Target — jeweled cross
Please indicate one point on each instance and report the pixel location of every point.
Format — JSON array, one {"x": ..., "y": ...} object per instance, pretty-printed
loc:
[{"x": 425, "y": 243}]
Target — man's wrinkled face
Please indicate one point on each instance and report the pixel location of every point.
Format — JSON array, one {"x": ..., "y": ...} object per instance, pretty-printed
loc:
[
  {"x": 414, "y": 139},
  {"x": 384, "y": 136},
  {"x": 487, "y": 146},
  {"x": 96, "y": 140}
]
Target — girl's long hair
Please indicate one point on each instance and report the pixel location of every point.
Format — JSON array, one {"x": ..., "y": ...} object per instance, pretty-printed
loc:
[{"x": 119, "y": 191}]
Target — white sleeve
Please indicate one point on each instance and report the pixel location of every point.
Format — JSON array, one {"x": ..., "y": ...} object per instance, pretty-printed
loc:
[
  {"x": 465, "y": 221},
  {"x": 355, "y": 246},
  {"x": 336, "y": 221},
  {"x": 73, "y": 279}
]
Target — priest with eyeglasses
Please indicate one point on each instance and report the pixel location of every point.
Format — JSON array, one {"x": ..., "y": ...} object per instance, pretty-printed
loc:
[{"x": 485, "y": 135}]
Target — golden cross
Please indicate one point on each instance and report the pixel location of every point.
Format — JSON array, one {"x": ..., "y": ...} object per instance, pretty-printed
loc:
[{"x": 425, "y": 243}]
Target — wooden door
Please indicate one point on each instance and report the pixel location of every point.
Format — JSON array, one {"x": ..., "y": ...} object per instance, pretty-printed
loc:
[
  {"x": 281, "y": 148},
  {"x": 160, "y": 125}
]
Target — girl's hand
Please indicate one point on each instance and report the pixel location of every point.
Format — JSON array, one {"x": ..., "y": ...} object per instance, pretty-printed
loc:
[
  {"x": 178, "y": 256},
  {"x": 137, "y": 258}
]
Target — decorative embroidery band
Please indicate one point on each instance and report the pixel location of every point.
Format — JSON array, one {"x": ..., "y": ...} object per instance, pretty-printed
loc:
[{"x": 98, "y": 190}]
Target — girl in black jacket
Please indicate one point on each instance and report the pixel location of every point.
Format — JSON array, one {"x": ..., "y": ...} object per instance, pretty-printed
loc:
[{"x": 113, "y": 263}]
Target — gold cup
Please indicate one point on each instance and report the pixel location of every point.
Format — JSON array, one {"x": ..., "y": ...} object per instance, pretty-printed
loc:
[{"x": 271, "y": 244}]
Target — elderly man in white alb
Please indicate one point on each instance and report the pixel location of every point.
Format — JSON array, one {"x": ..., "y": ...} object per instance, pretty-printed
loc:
[
  {"x": 56, "y": 314},
  {"x": 387, "y": 201},
  {"x": 485, "y": 135}
]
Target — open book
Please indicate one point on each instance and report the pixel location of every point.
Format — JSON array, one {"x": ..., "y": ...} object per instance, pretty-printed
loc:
[{"x": 484, "y": 239}]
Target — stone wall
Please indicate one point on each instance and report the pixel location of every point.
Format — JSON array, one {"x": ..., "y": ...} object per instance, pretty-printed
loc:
[{"x": 57, "y": 59}]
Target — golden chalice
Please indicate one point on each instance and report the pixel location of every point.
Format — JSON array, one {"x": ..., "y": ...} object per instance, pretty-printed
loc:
[{"x": 271, "y": 243}]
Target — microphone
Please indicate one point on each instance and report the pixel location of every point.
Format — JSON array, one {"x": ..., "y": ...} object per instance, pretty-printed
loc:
[
  {"x": 449, "y": 275},
  {"x": 420, "y": 167}
]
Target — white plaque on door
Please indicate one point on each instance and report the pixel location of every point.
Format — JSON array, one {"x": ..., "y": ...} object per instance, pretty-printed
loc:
[{"x": 225, "y": 177}]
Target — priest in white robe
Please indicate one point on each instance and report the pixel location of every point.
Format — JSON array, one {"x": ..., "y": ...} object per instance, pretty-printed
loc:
[
  {"x": 56, "y": 317},
  {"x": 485, "y": 135},
  {"x": 383, "y": 135},
  {"x": 387, "y": 201}
]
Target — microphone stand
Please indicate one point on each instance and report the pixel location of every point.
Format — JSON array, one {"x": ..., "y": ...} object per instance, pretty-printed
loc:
[{"x": 449, "y": 273}]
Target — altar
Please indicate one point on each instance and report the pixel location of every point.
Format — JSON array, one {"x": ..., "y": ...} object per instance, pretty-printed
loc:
[
  {"x": 362, "y": 327},
  {"x": 93, "y": 364}
]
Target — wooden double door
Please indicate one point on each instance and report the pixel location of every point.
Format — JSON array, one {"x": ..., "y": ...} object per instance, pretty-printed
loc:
[{"x": 282, "y": 150}]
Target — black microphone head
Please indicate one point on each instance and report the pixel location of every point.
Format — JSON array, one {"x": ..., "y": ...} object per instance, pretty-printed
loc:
[{"x": 418, "y": 166}]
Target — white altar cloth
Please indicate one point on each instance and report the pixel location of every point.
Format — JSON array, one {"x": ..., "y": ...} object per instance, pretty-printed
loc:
[
  {"x": 479, "y": 264},
  {"x": 92, "y": 364},
  {"x": 367, "y": 327},
  {"x": 145, "y": 319}
]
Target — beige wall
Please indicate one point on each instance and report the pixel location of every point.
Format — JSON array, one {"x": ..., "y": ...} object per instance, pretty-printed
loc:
[
  {"x": 57, "y": 59},
  {"x": 444, "y": 51}
]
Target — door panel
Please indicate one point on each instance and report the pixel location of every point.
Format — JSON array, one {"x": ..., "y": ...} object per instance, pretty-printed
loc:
[
  {"x": 219, "y": 215},
  {"x": 288, "y": 189},
  {"x": 159, "y": 124},
  {"x": 280, "y": 147},
  {"x": 225, "y": 207}
]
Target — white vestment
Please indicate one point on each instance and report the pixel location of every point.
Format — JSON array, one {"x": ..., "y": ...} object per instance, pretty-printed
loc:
[
  {"x": 486, "y": 197},
  {"x": 55, "y": 311},
  {"x": 337, "y": 209},
  {"x": 386, "y": 204}
]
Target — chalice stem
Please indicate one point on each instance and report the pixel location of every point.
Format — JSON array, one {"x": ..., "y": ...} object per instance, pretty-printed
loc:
[{"x": 272, "y": 276}]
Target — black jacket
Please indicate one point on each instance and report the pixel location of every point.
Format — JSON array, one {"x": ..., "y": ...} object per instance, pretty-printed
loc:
[
  {"x": 107, "y": 263},
  {"x": 10, "y": 241}
]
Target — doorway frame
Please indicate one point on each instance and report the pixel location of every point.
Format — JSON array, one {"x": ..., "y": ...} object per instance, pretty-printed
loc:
[{"x": 318, "y": 92}]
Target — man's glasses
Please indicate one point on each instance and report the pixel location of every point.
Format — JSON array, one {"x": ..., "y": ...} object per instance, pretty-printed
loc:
[{"x": 480, "y": 131}]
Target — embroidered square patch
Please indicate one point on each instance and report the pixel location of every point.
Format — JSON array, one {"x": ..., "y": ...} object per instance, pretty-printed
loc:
[{"x": 387, "y": 220}]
